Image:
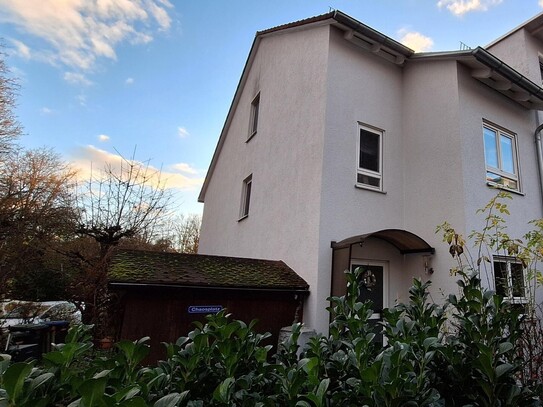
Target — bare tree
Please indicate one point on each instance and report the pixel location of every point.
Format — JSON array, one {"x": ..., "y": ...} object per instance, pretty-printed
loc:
[
  {"x": 10, "y": 129},
  {"x": 187, "y": 233},
  {"x": 36, "y": 208},
  {"x": 123, "y": 201}
]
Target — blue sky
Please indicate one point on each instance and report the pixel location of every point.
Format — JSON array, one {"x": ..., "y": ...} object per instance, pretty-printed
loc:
[{"x": 103, "y": 77}]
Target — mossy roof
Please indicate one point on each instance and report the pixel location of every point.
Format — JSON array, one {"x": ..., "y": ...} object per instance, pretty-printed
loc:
[{"x": 198, "y": 270}]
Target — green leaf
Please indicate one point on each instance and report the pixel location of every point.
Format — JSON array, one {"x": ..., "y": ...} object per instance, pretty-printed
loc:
[
  {"x": 222, "y": 392},
  {"x": 92, "y": 392},
  {"x": 321, "y": 391},
  {"x": 14, "y": 379},
  {"x": 169, "y": 400},
  {"x": 127, "y": 393},
  {"x": 505, "y": 347},
  {"x": 40, "y": 380},
  {"x": 503, "y": 369}
]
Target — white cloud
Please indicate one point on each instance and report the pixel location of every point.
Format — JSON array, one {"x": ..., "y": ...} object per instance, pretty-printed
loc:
[
  {"x": 415, "y": 40},
  {"x": 76, "y": 78},
  {"x": 103, "y": 138},
  {"x": 540, "y": 3},
  {"x": 89, "y": 160},
  {"x": 77, "y": 33},
  {"x": 46, "y": 111},
  {"x": 184, "y": 167},
  {"x": 82, "y": 99},
  {"x": 129, "y": 81},
  {"x": 182, "y": 132},
  {"x": 21, "y": 49},
  {"x": 461, "y": 7}
]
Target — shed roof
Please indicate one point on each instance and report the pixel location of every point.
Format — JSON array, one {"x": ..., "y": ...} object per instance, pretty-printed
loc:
[{"x": 139, "y": 267}]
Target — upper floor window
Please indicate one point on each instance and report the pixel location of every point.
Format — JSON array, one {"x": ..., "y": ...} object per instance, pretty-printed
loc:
[
  {"x": 510, "y": 279},
  {"x": 255, "y": 106},
  {"x": 370, "y": 158},
  {"x": 501, "y": 157},
  {"x": 245, "y": 197}
]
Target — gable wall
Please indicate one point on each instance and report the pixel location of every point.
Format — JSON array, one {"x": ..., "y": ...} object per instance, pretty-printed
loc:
[{"x": 284, "y": 157}]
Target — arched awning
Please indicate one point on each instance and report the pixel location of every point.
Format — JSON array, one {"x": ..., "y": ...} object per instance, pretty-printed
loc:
[{"x": 406, "y": 242}]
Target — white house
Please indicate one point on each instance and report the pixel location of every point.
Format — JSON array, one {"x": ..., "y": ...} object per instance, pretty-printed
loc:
[{"x": 343, "y": 147}]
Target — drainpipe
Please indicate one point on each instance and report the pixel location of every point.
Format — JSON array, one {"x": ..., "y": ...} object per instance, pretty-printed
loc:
[{"x": 537, "y": 135}]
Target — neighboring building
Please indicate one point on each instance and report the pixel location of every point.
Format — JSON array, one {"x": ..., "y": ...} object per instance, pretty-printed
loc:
[
  {"x": 343, "y": 147},
  {"x": 162, "y": 294}
]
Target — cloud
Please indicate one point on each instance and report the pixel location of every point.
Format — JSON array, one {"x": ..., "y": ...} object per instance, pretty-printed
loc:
[
  {"x": 103, "y": 138},
  {"x": 129, "y": 81},
  {"x": 90, "y": 160},
  {"x": 184, "y": 167},
  {"x": 82, "y": 99},
  {"x": 182, "y": 132},
  {"x": 46, "y": 111},
  {"x": 21, "y": 49},
  {"x": 76, "y": 33},
  {"x": 76, "y": 78},
  {"x": 461, "y": 7},
  {"x": 540, "y": 3},
  {"x": 415, "y": 40}
]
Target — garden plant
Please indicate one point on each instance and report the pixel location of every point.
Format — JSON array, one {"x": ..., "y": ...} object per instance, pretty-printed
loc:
[{"x": 467, "y": 351}]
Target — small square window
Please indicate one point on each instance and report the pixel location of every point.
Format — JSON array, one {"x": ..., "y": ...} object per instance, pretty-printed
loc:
[
  {"x": 510, "y": 279},
  {"x": 255, "y": 106},
  {"x": 369, "y": 172},
  {"x": 501, "y": 157},
  {"x": 245, "y": 197}
]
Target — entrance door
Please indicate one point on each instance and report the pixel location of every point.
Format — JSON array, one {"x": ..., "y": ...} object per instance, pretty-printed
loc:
[{"x": 374, "y": 287}]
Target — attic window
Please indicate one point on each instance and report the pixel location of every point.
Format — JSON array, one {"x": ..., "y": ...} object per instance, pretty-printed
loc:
[{"x": 255, "y": 106}]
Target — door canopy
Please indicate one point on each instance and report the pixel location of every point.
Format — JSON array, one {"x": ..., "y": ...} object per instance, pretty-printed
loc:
[{"x": 406, "y": 242}]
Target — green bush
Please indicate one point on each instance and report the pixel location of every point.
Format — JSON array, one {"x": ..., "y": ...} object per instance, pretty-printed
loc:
[
  {"x": 473, "y": 362},
  {"x": 471, "y": 352}
]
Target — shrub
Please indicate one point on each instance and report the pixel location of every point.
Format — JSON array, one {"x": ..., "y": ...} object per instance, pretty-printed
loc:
[{"x": 466, "y": 352}]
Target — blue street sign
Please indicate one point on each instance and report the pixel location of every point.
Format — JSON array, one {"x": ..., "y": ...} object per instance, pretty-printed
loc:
[{"x": 204, "y": 309}]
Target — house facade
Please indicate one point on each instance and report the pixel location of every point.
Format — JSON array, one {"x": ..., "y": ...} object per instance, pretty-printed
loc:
[{"x": 343, "y": 147}]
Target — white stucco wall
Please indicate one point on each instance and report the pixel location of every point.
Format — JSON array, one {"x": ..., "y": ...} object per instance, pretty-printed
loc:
[
  {"x": 315, "y": 87},
  {"x": 522, "y": 52},
  {"x": 285, "y": 158},
  {"x": 433, "y": 170},
  {"x": 362, "y": 88}
]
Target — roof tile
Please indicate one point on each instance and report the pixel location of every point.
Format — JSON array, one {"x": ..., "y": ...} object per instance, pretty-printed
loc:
[{"x": 159, "y": 268}]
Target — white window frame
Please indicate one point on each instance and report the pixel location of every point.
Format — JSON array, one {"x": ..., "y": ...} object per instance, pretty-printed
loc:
[
  {"x": 515, "y": 177},
  {"x": 246, "y": 191},
  {"x": 255, "y": 113},
  {"x": 509, "y": 276},
  {"x": 366, "y": 172}
]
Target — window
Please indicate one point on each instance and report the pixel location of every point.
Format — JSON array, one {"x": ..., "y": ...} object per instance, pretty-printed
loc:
[
  {"x": 245, "y": 197},
  {"x": 255, "y": 105},
  {"x": 370, "y": 166},
  {"x": 510, "y": 279},
  {"x": 501, "y": 157}
]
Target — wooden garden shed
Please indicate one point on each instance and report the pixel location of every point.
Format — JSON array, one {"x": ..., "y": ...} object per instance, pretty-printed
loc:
[{"x": 161, "y": 294}]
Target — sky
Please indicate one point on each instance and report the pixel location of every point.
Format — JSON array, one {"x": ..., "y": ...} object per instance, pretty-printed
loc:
[{"x": 154, "y": 79}]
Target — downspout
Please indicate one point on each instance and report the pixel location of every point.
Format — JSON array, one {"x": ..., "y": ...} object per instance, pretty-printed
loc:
[{"x": 537, "y": 139}]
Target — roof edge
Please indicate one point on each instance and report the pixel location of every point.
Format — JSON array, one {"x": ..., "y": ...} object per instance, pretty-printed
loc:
[{"x": 337, "y": 16}]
